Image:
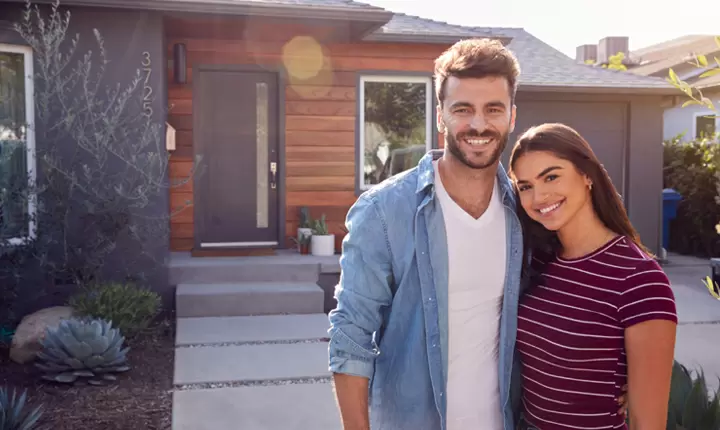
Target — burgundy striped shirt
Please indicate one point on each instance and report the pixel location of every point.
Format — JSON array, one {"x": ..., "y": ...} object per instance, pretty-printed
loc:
[{"x": 571, "y": 333}]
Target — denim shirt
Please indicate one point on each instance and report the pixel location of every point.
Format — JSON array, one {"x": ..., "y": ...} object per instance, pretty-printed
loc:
[{"x": 391, "y": 321}]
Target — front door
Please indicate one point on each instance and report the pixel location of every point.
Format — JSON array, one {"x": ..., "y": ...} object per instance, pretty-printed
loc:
[{"x": 236, "y": 134}]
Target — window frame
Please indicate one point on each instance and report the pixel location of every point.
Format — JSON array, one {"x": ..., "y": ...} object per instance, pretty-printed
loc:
[
  {"x": 28, "y": 63},
  {"x": 431, "y": 132},
  {"x": 697, "y": 115}
]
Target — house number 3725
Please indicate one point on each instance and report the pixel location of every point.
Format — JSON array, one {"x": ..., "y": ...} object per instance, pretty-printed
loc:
[{"x": 147, "y": 89}]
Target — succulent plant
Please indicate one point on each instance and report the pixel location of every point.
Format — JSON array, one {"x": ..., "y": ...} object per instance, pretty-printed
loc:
[
  {"x": 15, "y": 413},
  {"x": 320, "y": 227},
  {"x": 83, "y": 349},
  {"x": 305, "y": 220},
  {"x": 691, "y": 407}
]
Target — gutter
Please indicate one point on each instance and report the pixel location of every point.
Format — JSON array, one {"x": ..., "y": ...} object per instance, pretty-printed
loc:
[
  {"x": 430, "y": 38},
  {"x": 613, "y": 90}
]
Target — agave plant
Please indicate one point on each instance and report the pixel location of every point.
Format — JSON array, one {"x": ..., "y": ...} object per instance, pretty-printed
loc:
[
  {"x": 83, "y": 349},
  {"x": 691, "y": 407},
  {"x": 15, "y": 413}
]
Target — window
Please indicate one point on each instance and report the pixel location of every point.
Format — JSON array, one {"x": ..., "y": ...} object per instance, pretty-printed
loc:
[
  {"x": 17, "y": 144},
  {"x": 705, "y": 125},
  {"x": 395, "y": 125}
]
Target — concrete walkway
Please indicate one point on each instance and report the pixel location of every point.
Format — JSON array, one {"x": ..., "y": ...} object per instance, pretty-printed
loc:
[
  {"x": 699, "y": 314},
  {"x": 270, "y": 372},
  {"x": 253, "y": 372}
]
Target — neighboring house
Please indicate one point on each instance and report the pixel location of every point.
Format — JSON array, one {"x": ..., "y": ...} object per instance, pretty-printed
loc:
[
  {"x": 693, "y": 121},
  {"x": 276, "y": 96}
]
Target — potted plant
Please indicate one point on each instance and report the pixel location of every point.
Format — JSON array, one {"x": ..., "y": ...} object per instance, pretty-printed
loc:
[
  {"x": 303, "y": 243},
  {"x": 323, "y": 242},
  {"x": 304, "y": 226}
]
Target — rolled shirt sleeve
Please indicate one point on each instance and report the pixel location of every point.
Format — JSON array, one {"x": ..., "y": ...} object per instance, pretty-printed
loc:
[{"x": 363, "y": 292}]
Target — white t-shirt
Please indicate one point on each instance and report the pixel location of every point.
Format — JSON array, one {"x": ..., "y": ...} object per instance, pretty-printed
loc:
[{"x": 476, "y": 260}]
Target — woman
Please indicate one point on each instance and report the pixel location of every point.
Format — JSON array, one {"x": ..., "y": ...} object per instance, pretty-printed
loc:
[{"x": 599, "y": 313}]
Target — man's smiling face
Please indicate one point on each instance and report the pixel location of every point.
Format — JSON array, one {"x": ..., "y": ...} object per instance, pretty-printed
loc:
[{"x": 477, "y": 117}]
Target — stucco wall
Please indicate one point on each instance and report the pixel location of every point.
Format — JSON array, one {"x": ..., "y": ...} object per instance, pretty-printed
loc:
[
  {"x": 680, "y": 119},
  {"x": 625, "y": 133},
  {"x": 130, "y": 39}
]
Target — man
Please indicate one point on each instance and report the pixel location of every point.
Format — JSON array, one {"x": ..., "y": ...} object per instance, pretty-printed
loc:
[{"x": 423, "y": 335}]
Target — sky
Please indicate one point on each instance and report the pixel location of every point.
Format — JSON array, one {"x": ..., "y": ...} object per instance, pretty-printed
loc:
[{"x": 566, "y": 24}]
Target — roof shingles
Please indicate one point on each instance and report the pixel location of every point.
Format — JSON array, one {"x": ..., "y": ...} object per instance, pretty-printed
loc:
[{"x": 541, "y": 64}]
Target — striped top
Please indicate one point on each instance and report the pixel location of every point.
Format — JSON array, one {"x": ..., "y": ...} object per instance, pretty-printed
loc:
[{"x": 571, "y": 333}]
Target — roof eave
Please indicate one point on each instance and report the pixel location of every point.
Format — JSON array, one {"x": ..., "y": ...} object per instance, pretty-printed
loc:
[
  {"x": 271, "y": 10},
  {"x": 430, "y": 38},
  {"x": 565, "y": 88}
]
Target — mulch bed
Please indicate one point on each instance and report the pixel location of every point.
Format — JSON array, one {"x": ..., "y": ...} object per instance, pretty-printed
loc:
[{"x": 140, "y": 399}]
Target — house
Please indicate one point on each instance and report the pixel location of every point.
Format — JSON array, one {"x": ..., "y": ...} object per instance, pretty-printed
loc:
[
  {"x": 280, "y": 98},
  {"x": 693, "y": 121}
]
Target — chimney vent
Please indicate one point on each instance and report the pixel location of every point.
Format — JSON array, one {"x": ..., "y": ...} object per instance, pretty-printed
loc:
[
  {"x": 609, "y": 46},
  {"x": 584, "y": 53}
]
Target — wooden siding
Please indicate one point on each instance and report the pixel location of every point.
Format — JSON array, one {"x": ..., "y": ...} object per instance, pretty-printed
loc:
[{"x": 319, "y": 109}]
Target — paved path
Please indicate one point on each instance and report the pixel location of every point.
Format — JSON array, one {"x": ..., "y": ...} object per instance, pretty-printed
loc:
[
  {"x": 253, "y": 373},
  {"x": 699, "y": 315},
  {"x": 270, "y": 372}
]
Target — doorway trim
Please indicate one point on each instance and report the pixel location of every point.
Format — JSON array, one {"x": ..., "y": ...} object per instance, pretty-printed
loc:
[{"x": 281, "y": 78}]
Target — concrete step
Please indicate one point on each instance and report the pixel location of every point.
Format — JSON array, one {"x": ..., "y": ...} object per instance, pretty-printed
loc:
[
  {"x": 243, "y": 269},
  {"x": 250, "y": 363},
  {"x": 248, "y": 298},
  {"x": 283, "y": 407},
  {"x": 264, "y": 328}
]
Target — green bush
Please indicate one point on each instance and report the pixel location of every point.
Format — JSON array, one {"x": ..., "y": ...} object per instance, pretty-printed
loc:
[
  {"x": 130, "y": 308},
  {"x": 691, "y": 169}
]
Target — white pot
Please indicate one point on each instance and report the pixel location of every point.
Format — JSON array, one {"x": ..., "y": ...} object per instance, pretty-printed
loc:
[
  {"x": 323, "y": 245},
  {"x": 303, "y": 231}
]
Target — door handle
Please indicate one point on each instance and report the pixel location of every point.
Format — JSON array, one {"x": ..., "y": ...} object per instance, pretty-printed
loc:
[{"x": 273, "y": 170}]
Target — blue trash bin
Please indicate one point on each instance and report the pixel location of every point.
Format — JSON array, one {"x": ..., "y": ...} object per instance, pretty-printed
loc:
[{"x": 671, "y": 198}]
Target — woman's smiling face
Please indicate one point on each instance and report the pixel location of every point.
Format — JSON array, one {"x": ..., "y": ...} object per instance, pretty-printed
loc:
[{"x": 552, "y": 190}]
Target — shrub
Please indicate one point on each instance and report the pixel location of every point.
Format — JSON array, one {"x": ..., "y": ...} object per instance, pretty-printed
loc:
[
  {"x": 690, "y": 168},
  {"x": 15, "y": 412},
  {"x": 130, "y": 308}
]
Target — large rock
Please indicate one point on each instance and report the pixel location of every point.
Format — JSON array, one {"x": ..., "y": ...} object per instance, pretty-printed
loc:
[{"x": 31, "y": 331}]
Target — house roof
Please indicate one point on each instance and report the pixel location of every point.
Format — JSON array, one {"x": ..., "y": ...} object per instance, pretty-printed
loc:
[
  {"x": 542, "y": 66},
  {"x": 340, "y": 4},
  {"x": 660, "y": 57},
  {"x": 407, "y": 26}
]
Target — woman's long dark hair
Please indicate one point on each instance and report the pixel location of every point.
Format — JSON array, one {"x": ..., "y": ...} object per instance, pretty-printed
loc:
[{"x": 566, "y": 143}]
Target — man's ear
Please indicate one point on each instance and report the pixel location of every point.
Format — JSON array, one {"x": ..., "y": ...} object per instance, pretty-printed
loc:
[
  {"x": 440, "y": 122},
  {"x": 513, "y": 115}
]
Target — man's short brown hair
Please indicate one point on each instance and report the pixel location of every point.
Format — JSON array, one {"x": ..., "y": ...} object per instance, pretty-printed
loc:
[{"x": 476, "y": 58}]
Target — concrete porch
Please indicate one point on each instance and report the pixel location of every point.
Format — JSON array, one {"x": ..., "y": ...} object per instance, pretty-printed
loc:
[
  {"x": 251, "y": 342},
  {"x": 287, "y": 282}
]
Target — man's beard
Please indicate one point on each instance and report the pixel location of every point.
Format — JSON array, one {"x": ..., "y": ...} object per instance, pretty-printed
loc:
[{"x": 453, "y": 145}]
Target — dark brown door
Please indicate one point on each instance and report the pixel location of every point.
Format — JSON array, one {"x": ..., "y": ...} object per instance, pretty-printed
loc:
[{"x": 236, "y": 135}]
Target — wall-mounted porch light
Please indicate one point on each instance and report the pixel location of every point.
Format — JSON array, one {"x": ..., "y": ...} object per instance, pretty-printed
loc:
[{"x": 180, "y": 63}]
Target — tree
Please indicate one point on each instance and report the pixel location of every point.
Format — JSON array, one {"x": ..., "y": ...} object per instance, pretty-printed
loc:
[
  {"x": 695, "y": 94},
  {"x": 102, "y": 166},
  {"x": 615, "y": 62}
]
